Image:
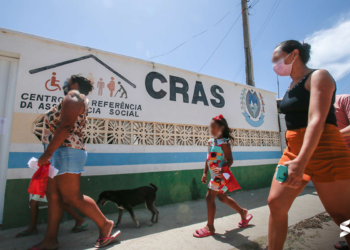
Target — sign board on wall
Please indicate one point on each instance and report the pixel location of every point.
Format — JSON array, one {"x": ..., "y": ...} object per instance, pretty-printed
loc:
[{"x": 132, "y": 89}]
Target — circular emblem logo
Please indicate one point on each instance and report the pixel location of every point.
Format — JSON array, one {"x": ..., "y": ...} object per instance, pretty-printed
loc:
[{"x": 252, "y": 107}]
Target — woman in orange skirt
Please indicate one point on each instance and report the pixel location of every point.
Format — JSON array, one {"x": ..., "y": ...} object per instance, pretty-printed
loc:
[{"x": 315, "y": 146}]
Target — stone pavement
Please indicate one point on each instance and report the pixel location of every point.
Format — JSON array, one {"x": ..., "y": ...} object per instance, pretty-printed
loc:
[{"x": 177, "y": 222}]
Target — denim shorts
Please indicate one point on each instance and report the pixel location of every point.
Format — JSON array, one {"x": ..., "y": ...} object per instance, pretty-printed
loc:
[{"x": 69, "y": 160}]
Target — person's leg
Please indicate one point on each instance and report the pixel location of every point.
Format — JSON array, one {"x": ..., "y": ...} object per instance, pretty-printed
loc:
[
  {"x": 55, "y": 212},
  {"x": 335, "y": 198},
  {"x": 232, "y": 203},
  {"x": 79, "y": 221},
  {"x": 280, "y": 200},
  {"x": 34, "y": 211},
  {"x": 69, "y": 187},
  {"x": 211, "y": 210}
]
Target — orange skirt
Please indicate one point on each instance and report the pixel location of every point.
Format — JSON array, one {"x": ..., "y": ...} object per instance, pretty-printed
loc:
[{"x": 331, "y": 159}]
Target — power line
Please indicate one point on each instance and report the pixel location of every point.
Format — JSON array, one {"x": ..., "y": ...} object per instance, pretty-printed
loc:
[
  {"x": 342, "y": 87},
  {"x": 220, "y": 42},
  {"x": 347, "y": 86},
  {"x": 239, "y": 70},
  {"x": 200, "y": 33},
  {"x": 268, "y": 18},
  {"x": 345, "y": 90},
  {"x": 253, "y": 4}
]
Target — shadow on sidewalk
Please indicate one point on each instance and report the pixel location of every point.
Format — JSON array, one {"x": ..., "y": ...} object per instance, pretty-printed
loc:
[
  {"x": 170, "y": 217},
  {"x": 233, "y": 237}
]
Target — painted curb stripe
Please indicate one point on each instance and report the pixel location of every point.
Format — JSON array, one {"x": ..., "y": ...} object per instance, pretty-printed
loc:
[
  {"x": 27, "y": 173},
  {"x": 19, "y": 160}
]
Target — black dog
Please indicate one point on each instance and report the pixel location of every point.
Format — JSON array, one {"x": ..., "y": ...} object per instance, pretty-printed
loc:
[{"x": 126, "y": 199}]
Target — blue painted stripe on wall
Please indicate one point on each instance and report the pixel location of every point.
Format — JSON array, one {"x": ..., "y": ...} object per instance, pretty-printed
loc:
[{"x": 20, "y": 159}]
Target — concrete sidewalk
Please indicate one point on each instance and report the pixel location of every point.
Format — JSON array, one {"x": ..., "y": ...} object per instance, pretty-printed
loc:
[{"x": 177, "y": 223}]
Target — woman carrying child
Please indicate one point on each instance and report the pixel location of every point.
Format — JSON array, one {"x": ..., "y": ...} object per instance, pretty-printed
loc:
[{"x": 219, "y": 161}]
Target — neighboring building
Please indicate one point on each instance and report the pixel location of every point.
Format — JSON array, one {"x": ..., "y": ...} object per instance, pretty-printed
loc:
[{"x": 147, "y": 122}]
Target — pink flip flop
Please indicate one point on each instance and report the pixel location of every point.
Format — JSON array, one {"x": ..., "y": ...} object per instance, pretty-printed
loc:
[
  {"x": 202, "y": 233},
  {"x": 244, "y": 223},
  {"x": 109, "y": 240}
]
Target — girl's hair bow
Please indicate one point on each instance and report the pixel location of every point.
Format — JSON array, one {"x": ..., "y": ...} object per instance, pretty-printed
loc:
[{"x": 218, "y": 118}]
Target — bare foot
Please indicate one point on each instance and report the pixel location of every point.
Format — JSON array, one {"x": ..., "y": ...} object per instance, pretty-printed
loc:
[
  {"x": 210, "y": 229},
  {"x": 105, "y": 231},
  {"x": 78, "y": 223},
  {"x": 28, "y": 232},
  {"x": 244, "y": 214},
  {"x": 47, "y": 245}
]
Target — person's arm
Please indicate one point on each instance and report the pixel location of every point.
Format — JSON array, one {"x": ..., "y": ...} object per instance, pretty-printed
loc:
[
  {"x": 71, "y": 108},
  {"x": 345, "y": 131},
  {"x": 206, "y": 169},
  {"x": 346, "y": 108},
  {"x": 228, "y": 154},
  {"x": 321, "y": 92}
]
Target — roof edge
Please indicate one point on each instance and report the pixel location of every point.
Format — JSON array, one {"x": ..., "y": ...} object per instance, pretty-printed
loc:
[{"x": 89, "y": 49}]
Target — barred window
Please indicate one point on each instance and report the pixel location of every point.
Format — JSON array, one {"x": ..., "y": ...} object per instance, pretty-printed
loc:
[{"x": 124, "y": 132}]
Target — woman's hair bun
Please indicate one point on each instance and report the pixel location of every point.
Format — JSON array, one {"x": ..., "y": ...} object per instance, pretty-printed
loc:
[
  {"x": 290, "y": 45},
  {"x": 307, "y": 47}
]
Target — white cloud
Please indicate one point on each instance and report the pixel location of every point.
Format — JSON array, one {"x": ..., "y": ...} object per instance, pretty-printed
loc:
[{"x": 330, "y": 49}]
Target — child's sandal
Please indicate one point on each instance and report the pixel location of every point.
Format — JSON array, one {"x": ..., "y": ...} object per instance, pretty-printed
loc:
[
  {"x": 202, "y": 233},
  {"x": 244, "y": 223}
]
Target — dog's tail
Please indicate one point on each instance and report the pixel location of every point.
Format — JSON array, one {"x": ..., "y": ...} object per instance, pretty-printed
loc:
[{"x": 154, "y": 186}]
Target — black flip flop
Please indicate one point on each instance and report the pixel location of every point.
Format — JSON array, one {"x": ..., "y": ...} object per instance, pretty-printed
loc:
[
  {"x": 343, "y": 246},
  {"x": 24, "y": 234},
  {"x": 80, "y": 229}
]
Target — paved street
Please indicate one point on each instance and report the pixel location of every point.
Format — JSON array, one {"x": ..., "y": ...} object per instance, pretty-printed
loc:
[{"x": 177, "y": 223}]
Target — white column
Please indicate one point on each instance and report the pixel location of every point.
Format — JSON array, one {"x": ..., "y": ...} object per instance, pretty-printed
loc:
[
  {"x": 8, "y": 81},
  {"x": 4, "y": 78}
]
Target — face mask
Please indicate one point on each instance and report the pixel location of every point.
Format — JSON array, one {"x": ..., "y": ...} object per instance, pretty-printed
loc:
[{"x": 281, "y": 68}]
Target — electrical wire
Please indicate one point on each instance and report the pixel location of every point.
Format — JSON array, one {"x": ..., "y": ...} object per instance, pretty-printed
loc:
[
  {"x": 251, "y": 6},
  {"x": 346, "y": 91},
  {"x": 342, "y": 87},
  {"x": 239, "y": 70},
  {"x": 347, "y": 87},
  {"x": 220, "y": 42},
  {"x": 198, "y": 34},
  {"x": 268, "y": 18}
]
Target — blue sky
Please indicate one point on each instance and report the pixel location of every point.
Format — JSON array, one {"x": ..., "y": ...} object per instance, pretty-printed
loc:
[{"x": 143, "y": 29}]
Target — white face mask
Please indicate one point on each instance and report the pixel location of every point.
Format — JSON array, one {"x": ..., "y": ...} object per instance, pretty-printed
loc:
[{"x": 281, "y": 68}]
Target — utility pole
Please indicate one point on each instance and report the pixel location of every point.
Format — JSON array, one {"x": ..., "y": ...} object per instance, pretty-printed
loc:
[
  {"x": 247, "y": 45},
  {"x": 278, "y": 87}
]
